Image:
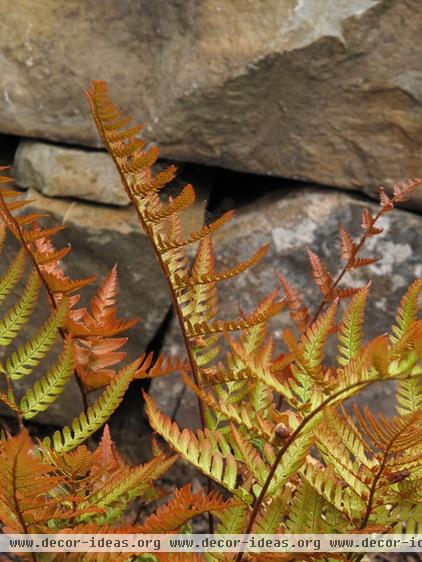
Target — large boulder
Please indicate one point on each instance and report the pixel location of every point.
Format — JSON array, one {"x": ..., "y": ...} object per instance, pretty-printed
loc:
[
  {"x": 323, "y": 90},
  {"x": 62, "y": 171},
  {"x": 307, "y": 217}
]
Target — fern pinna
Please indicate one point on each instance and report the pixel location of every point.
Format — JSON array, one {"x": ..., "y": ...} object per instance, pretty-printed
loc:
[{"x": 263, "y": 455}]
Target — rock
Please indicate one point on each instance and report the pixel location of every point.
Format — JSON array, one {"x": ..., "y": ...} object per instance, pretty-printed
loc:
[
  {"x": 324, "y": 90},
  {"x": 170, "y": 393},
  {"x": 307, "y": 218},
  {"x": 61, "y": 171}
]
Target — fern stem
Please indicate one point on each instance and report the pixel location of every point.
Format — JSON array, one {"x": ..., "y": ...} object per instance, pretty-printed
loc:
[
  {"x": 379, "y": 475},
  {"x": 11, "y": 391},
  {"x": 148, "y": 230},
  {"x": 49, "y": 293},
  {"x": 345, "y": 269}
]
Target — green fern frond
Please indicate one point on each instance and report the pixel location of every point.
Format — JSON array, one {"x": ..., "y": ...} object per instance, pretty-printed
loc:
[
  {"x": 97, "y": 414},
  {"x": 293, "y": 459},
  {"x": 409, "y": 396},
  {"x": 232, "y": 520},
  {"x": 305, "y": 510},
  {"x": 314, "y": 339},
  {"x": 270, "y": 516},
  {"x": 12, "y": 275},
  {"x": 248, "y": 454},
  {"x": 19, "y": 314},
  {"x": 208, "y": 451},
  {"x": 407, "y": 311},
  {"x": 22, "y": 362},
  {"x": 351, "y": 328},
  {"x": 323, "y": 480},
  {"x": 46, "y": 390},
  {"x": 129, "y": 483}
]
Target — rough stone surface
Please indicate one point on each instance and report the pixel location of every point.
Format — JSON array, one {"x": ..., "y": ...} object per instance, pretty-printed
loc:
[
  {"x": 308, "y": 217},
  {"x": 170, "y": 393},
  {"x": 61, "y": 171},
  {"x": 324, "y": 90}
]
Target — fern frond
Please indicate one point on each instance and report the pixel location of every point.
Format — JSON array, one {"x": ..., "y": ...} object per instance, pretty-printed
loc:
[
  {"x": 305, "y": 510},
  {"x": 24, "y": 481},
  {"x": 125, "y": 485},
  {"x": 348, "y": 247},
  {"x": 208, "y": 451},
  {"x": 181, "y": 508},
  {"x": 11, "y": 276},
  {"x": 6, "y": 399},
  {"x": 323, "y": 481},
  {"x": 320, "y": 273},
  {"x": 271, "y": 515},
  {"x": 22, "y": 362},
  {"x": 407, "y": 311},
  {"x": 313, "y": 340},
  {"x": 106, "y": 458},
  {"x": 184, "y": 200},
  {"x": 230, "y": 412},
  {"x": 224, "y": 275},
  {"x": 97, "y": 414},
  {"x": 63, "y": 285},
  {"x": 41, "y": 233},
  {"x": 232, "y": 519},
  {"x": 248, "y": 454},
  {"x": 19, "y": 314},
  {"x": 204, "y": 232},
  {"x": 46, "y": 390},
  {"x": 203, "y": 328},
  {"x": 393, "y": 436},
  {"x": 299, "y": 312},
  {"x": 409, "y": 396},
  {"x": 351, "y": 328},
  {"x": 45, "y": 258}
]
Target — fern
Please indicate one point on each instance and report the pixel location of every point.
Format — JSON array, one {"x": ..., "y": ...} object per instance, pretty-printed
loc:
[
  {"x": 247, "y": 444},
  {"x": 22, "y": 361},
  {"x": 97, "y": 414},
  {"x": 47, "y": 389},
  {"x": 275, "y": 434},
  {"x": 45, "y": 491}
]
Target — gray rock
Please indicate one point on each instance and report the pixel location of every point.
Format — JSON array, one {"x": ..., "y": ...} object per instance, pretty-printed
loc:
[
  {"x": 324, "y": 90},
  {"x": 61, "y": 171},
  {"x": 170, "y": 393},
  {"x": 308, "y": 217}
]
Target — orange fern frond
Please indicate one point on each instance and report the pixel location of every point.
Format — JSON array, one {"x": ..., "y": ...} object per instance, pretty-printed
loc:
[
  {"x": 224, "y": 275},
  {"x": 25, "y": 481},
  {"x": 322, "y": 277},
  {"x": 181, "y": 508},
  {"x": 299, "y": 312}
]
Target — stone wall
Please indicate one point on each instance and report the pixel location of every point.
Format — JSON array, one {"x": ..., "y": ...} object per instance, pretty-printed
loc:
[{"x": 328, "y": 91}]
